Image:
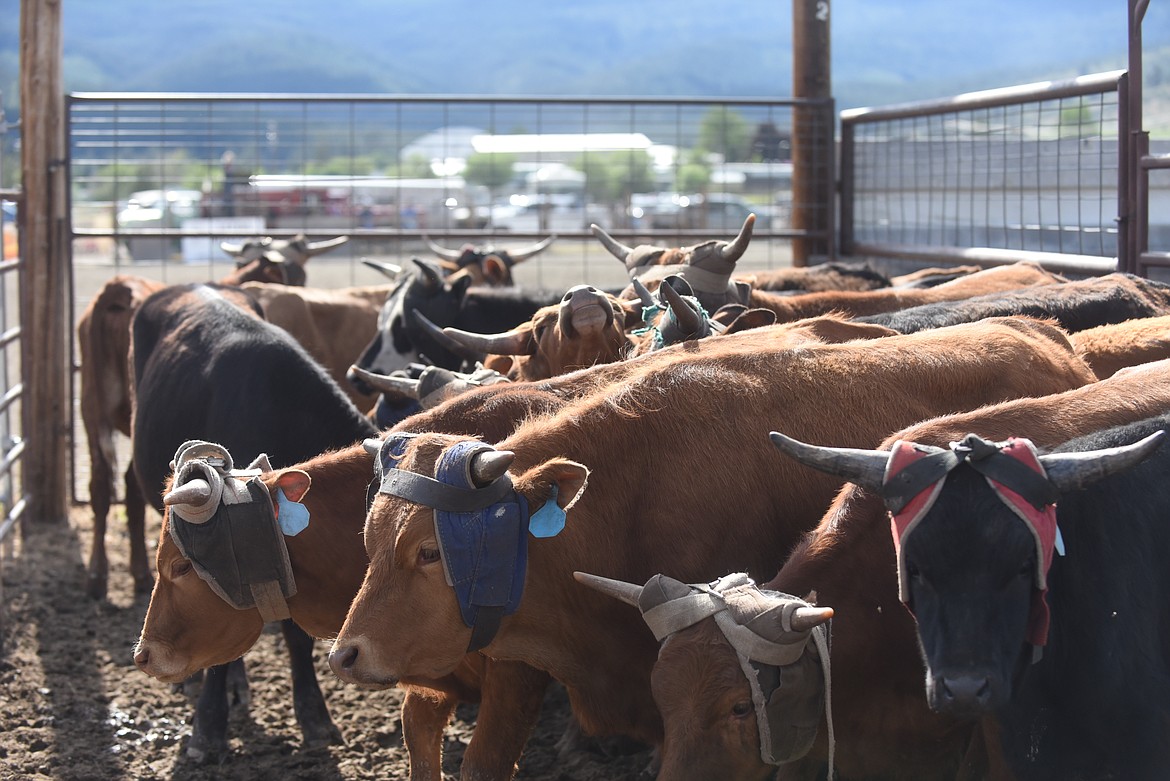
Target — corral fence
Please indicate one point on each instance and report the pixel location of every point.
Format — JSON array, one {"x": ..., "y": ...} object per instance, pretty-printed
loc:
[
  {"x": 12, "y": 502},
  {"x": 1032, "y": 172},
  {"x": 158, "y": 181},
  {"x": 166, "y": 176}
]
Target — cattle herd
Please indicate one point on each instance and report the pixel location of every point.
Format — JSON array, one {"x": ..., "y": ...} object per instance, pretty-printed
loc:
[{"x": 817, "y": 522}]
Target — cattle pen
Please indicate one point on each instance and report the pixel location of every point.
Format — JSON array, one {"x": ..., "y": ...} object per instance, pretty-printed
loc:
[{"x": 1061, "y": 173}]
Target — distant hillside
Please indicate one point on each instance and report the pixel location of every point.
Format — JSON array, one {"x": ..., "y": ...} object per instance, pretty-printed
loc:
[{"x": 883, "y": 50}]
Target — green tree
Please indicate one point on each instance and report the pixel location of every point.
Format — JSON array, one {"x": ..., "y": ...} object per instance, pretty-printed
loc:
[
  {"x": 694, "y": 174},
  {"x": 725, "y": 132},
  {"x": 416, "y": 167},
  {"x": 613, "y": 175},
  {"x": 492, "y": 170}
]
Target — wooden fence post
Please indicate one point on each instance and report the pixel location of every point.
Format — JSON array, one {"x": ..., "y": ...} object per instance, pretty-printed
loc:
[
  {"x": 813, "y": 152},
  {"x": 44, "y": 276}
]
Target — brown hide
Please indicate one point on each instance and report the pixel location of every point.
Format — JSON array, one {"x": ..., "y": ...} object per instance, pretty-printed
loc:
[
  {"x": 857, "y": 304},
  {"x": 1110, "y": 348},
  {"x": 815, "y": 279},
  {"x": 882, "y": 723},
  {"x": 103, "y": 340},
  {"x": 701, "y": 491},
  {"x": 333, "y": 325}
]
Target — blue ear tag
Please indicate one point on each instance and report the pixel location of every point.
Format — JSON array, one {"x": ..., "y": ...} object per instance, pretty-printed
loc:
[
  {"x": 549, "y": 519},
  {"x": 293, "y": 516}
]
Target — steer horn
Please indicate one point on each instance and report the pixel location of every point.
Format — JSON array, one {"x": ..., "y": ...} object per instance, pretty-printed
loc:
[
  {"x": 311, "y": 248},
  {"x": 689, "y": 321},
  {"x": 444, "y": 339},
  {"x": 615, "y": 247},
  {"x": 644, "y": 294},
  {"x": 399, "y": 387},
  {"x": 866, "y": 468},
  {"x": 444, "y": 253},
  {"x": 527, "y": 252},
  {"x": 389, "y": 269},
  {"x": 194, "y": 492},
  {"x": 733, "y": 251},
  {"x": 618, "y": 589},
  {"x": 489, "y": 465},
  {"x": 429, "y": 276},
  {"x": 1070, "y": 471}
]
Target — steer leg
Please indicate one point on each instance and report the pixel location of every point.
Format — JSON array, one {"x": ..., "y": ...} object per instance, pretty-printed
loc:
[
  {"x": 100, "y": 485},
  {"x": 509, "y": 706},
  {"x": 425, "y": 714},
  {"x": 136, "y": 526},
  {"x": 308, "y": 703},
  {"x": 209, "y": 732}
]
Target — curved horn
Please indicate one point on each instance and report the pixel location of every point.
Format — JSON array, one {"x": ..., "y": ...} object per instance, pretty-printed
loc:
[
  {"x": 444, "y": 339},
  {"x": 689, "y": 321},
  {"x": 615, "y": 247},
  {"x": 806, "y": 618},
  {"x": 518, "y": 341},
  {"x": 401, "y": 387},
  {"x": 734, "y": 250},
  {"x": 317, "y": 247},
  {"x": 195, "y": 492},
  {"x": 443, "y": 252},
  {"x": 527, "y": 252},
  {"x": 429, "y": 277},
  {"x": 644, "y": 294},
  {"x": 235, "y": 250},
  {"x": 626, "y": 592},
  {"x": 489, "y": 465},
  {"x": 1070, "y": 471},
  {"x": 389, "y": 269},
  {"x": 867, "y": 468}
]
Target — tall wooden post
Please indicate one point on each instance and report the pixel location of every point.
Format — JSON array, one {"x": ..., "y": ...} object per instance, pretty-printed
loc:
[
  {"x": 43, "y": 277},
  {"x": 813, "y": 152}
]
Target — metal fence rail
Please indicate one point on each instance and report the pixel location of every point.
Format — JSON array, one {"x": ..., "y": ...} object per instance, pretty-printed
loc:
[
  {"x": 995, "y": 176},
  {"x": 269, "y": 156},
  {"x": 12, "y": 502}
]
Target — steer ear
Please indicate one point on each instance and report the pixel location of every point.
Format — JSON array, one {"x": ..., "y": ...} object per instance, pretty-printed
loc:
[
  {"x": 294, "y": 483},
  {"x": 568, "y": 476},
  {"x": 495, "y": 270}
]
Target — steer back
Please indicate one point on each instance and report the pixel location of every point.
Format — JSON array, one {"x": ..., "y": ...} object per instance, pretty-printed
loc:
[
  {"x": 205, "y": 369},
  {"x": 877, "y": 672},
  {"x": 1109, "y": 348},
  {"x": 870, "y": 302},
  {"x": 715, "y": 509}
]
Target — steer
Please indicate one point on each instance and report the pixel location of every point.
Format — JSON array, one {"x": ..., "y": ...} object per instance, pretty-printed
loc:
[
  {"x": 400, "y": 340},
  {"x": 206, "y": 366},
  {"x": 103, "y": 338},
  {"x": 1109, "y": 348},
  {"x": 856, "y": 304},
  {"x": 711, "y": 509},
  {"x": 1076, "y": 306},
  {"x": 485, "y": 264},
  {"x": 881, "y": 722}
]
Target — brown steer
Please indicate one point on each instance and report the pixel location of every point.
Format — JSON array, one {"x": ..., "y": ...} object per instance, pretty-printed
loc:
[{"x": 707, "y": 510}]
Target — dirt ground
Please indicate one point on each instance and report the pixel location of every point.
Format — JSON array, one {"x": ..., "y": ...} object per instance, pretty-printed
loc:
[{"x": 73, "y": 706}]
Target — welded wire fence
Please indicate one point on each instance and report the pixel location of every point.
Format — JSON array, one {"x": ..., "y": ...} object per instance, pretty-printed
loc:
[{"x": 1030, "y": 169}]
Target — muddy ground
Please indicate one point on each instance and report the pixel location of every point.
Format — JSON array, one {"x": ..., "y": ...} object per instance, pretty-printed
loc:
[{"x": 73, "y": 706}]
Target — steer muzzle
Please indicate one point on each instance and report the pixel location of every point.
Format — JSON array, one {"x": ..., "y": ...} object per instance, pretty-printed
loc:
[
  {"x": 967, "y": 695},
  {"x": 353, "y": 662}
]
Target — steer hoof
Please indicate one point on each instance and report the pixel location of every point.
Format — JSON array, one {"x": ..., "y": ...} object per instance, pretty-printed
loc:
[
  {"x": 205, "y": 751},
  {"x": 321, "y": 735}
]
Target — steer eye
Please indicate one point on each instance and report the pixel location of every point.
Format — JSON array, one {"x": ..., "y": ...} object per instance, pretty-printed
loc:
[
  {"x": 179, "y": 568},
  {"x": 428, "y": 555},
  {"x": 741, "y": 709}
]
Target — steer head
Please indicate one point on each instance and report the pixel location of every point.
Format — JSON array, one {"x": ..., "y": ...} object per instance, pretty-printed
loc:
[
  {"x": 188, "y": 626},
  {"x": 707, "y": 266},
  {"x": 975, "y": 528},
  {"x": 485, "y": 264},
  {"x": 588, "y": 327},
  {"x": 275, "y": 260},
  {"x": 718, "y": 721},
  {"x": 406, "y": 583}
]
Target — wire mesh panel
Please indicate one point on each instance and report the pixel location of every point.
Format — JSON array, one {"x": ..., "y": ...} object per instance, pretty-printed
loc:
[
  {"x": 159, "y": 181},
  {"x": 1029, "y": 169}
]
